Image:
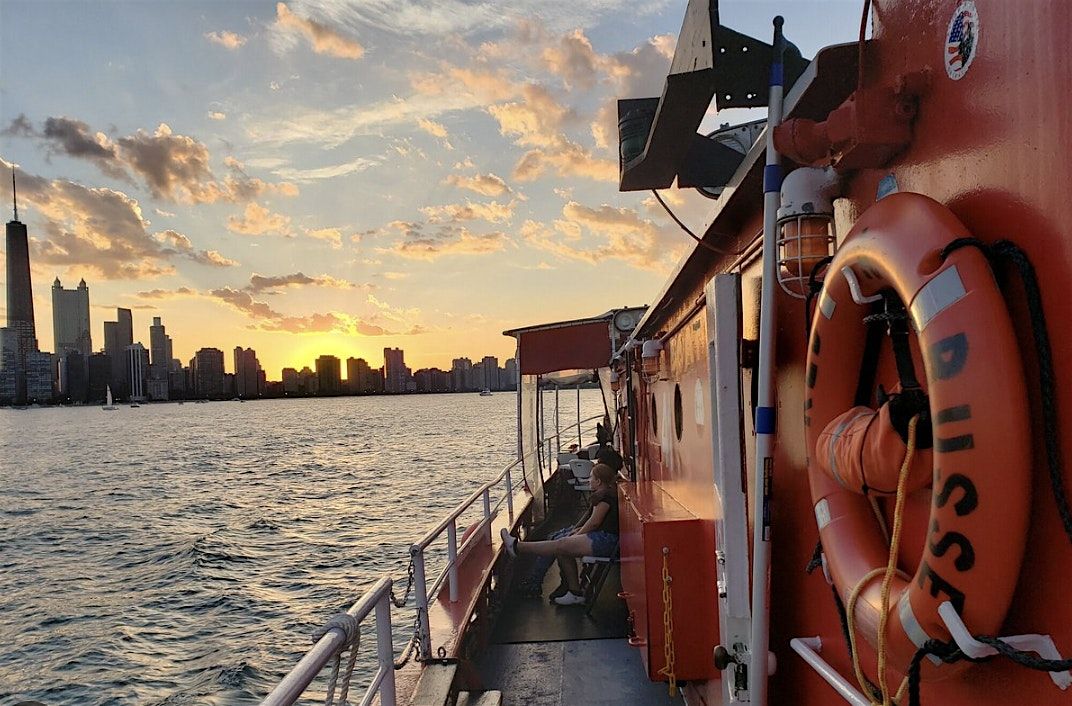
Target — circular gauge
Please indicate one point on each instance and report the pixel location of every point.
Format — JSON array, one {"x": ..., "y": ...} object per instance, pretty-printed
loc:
[{"x": 626, "y": 320}]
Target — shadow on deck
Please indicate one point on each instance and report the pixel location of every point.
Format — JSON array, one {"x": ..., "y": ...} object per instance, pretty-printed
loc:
[{"x": 542, "y": 654}]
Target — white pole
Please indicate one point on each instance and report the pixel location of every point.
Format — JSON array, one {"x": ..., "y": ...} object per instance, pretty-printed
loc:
[
  {"x": 385, "y": 649},
  {"x": 452, "y": 559},
  {"x": 765, "y": 412}
]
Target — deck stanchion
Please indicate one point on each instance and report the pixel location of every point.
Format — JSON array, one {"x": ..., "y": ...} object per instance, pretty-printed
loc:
[
  {"x": 487, "y": 512},
  {"x": 509, "y": 494},
  {"x": 385, "y": 649},
  {"x": 578, "y": 416},
  {"x": 765, "y": 412},
  {"x": 452, "y": 559},
  {"x": 420, "y": 594}
]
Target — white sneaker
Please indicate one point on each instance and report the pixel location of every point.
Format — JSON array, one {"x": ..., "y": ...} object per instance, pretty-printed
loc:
[
  {"x": 570, "y": 598},
  {"x": 509, "y": 542}
]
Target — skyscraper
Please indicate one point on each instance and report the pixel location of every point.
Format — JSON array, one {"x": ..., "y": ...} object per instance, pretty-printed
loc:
[
  {"x": 395, "y": 372},
  {"x": 491, "y": 372},
  {"x": 461, "y": 370},
  {"x": 118, "y": 335},
  {"x": 329, "y": 375},
  {"x": 70, "y": 318},
  {"x": 18, "y": 342},
  {"x": 160, "y": 360},
  {"x": 206, "y": 369},
  {"x": 247, "y": 372},
  {"x": 137, "y": 359}
]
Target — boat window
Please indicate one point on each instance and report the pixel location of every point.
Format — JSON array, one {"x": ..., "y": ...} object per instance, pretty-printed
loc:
[
  {"x": 654, "y": 417},
  {"x": 678, "y": 413}
]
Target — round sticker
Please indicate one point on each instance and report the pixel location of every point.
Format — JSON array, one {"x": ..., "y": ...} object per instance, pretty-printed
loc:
[{"x": 961, "y": 40}]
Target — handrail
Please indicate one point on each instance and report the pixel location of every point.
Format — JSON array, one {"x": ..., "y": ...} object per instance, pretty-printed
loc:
[
  {"x": 449, "y": 524},
  {"x": 294, "y": 684}
]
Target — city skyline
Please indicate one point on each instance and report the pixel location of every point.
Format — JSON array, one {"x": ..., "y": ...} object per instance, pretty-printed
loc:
[{"x": 308, "y": 177}]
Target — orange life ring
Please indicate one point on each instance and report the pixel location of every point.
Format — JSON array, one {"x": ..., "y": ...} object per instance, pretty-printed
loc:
[{"x": 982, "y": 444}]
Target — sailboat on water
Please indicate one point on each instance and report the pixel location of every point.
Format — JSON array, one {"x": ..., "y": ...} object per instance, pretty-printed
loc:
[{"x": 108, "y": 406}]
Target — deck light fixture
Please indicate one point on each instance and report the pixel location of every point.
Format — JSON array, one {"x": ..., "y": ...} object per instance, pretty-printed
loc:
[
  {"x": 806, "y": 234},
  {"x": 649, "y": 360}
]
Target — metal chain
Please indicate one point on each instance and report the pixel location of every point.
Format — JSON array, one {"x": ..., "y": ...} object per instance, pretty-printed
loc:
[
  {"x": 668, "y": 625},
  {"x": 401, "y": 602},
  {"x": 414, "y": 646}
]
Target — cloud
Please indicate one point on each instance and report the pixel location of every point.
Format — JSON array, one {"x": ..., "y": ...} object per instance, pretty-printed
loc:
[
  {"x": 173, "y": 167},
  {"x": 418, "y": 244},
  {"x": 332, "y": 235},
  {"x": 167, "y": 293},
  {"x": 567, "y": 159},
  {"x": 432, "y": 127},
  {"x": 491, "y": 212},
  {"x": 394, "y": 275},
  {"x": 613, "y": 233},
  {"x": 354, "y": 166},
  {"x": 323, "y": 39},
  {"x": 442, "y": 18},
  {"x": 19, "y": 127},
  {"x": 213, "y": 258},
  {"x": 226, "y": 38},
  {"x": 97, "y": 228},
  {"x": 216, "y": 115},
  {"x": 262, "y": 283},
  {"x": 483, "y": 184},
  {"x": 258, "y": 220}
]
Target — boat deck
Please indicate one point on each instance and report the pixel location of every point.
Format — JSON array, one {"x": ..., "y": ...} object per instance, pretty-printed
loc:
[{"x": 542, "y": 654}]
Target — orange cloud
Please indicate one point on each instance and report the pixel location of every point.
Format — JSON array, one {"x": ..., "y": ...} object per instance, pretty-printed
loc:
[
  {"x": 323, "y": 39},
  {"x": 258, "y": 220},
  {"x": 226, "y": 39},
  {"x": 483, "y": 184},
  {"x": 491, "y": 212}
]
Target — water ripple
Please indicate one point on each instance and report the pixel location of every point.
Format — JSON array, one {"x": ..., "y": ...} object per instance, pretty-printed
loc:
[{"x": 178, "y": 555}]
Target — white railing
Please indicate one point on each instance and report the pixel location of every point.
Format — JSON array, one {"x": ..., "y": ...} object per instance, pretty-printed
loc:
[
  {"x": 379, "y": 597},
  {"x": 482, "y": 531},
  {"x": 295, "y": 683}
]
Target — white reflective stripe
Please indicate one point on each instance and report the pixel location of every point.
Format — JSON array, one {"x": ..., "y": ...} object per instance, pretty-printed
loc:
[
  {"x": 822, "y": 513},
  {"x": 827, "y": 305},
  {"x": 911, "y": 626},
  {"x": 837, "y": 435},
  {"x": 944, "y": 290}
]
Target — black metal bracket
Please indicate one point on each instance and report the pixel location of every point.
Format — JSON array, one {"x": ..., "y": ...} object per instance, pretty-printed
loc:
[{"x": 711, "y": 62}]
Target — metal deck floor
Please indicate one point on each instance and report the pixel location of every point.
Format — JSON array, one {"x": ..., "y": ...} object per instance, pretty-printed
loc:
[{"x": 579, "y": 672}]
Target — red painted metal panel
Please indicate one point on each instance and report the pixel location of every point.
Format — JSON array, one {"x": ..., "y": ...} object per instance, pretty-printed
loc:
[
  {"x": 577, "y": 347},
  {"x": 654, "y": 521}
]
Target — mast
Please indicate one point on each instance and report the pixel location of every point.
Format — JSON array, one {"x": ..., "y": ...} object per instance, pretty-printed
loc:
[{"x": 14, "y": 195}]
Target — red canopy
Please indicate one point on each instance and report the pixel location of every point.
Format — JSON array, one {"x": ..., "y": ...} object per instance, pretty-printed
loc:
[{"x": 566, "y": 345}]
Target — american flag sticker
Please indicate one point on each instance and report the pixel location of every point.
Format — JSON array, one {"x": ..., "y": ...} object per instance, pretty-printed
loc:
[{"x": 961, "y": 40}]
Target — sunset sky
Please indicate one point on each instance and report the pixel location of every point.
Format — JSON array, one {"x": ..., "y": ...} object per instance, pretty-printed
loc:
[{"x": 335, "y": 177}]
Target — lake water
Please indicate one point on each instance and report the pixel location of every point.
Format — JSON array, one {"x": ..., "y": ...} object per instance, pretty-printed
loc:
[{"x": 183, "y": 554}]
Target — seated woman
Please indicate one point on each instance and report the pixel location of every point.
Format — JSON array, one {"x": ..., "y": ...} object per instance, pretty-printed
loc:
[{"x": 596, "y": 535}]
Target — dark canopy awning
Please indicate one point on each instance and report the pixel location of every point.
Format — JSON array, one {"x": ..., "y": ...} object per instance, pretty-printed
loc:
[{"x": 565, "y": 345}]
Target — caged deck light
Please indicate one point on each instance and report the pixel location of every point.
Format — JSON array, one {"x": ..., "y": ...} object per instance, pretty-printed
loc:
[
  {"x": 806, "y": 233},
  {"x": 649, "y": 360}
]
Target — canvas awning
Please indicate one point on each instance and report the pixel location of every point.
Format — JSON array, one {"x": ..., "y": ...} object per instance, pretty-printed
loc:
[{"x": 580, "y": 344}]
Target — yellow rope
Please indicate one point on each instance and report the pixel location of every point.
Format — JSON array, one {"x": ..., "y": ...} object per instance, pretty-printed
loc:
[
  {"x": 887, "y": 574},
  {"x": 891, "y": 565},
  {"x": 668, "y": 626}
]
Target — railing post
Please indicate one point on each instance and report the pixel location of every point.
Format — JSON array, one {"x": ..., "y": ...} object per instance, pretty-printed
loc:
[
  {"x": 487, "y": 512},
  {"x": 420, "y": 593},
  {"x": 509, "y": 494},
  {"x": 385, "y": 649},
  {"x": 452, "y": 559}
]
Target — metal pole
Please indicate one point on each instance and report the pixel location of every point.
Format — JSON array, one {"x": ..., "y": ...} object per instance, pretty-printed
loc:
[
  {"x": 558, "y": 430},
  {"x": 385, "y": 650},
  {"x": 578, "y": 416},
  {"x": 420, "y": 594},
  {"x": 765, "y": 412},
  {"x": 487, "y": 512},
  {"x": 509, "y": 494},
  {"x": 452, "y": 559}
]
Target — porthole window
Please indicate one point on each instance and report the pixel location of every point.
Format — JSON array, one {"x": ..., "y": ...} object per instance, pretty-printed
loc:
[
  {"x": 678, "y": 412},
  {"x": 654, "y": 417}
]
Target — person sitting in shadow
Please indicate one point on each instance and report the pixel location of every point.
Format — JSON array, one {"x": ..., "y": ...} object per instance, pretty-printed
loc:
[{"x": 595, "y": 535}]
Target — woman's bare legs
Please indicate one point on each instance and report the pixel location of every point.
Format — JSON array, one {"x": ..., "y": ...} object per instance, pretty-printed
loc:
[
  {"x": 567, "y": 568},
  {"x": 572, "y": 546}
]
